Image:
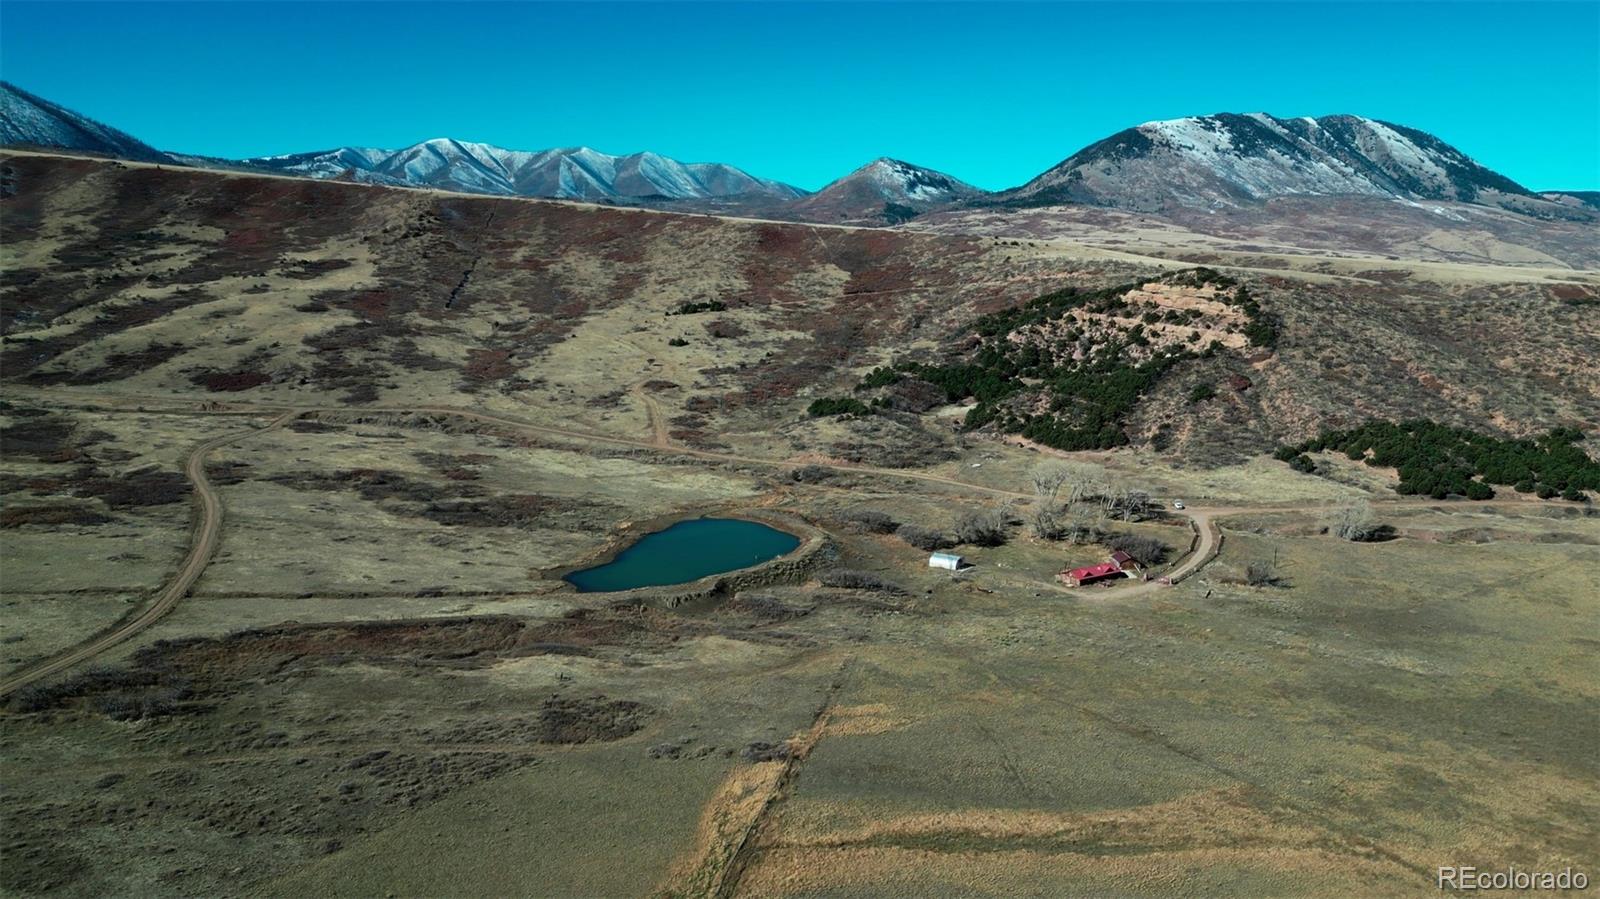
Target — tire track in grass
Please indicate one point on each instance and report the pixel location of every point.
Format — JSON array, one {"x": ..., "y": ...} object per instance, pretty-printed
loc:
[{"x": 203, "y": 545}]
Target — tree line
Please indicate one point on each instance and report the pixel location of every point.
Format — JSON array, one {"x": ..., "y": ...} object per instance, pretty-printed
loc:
[{"x": 1439, "y": 460}]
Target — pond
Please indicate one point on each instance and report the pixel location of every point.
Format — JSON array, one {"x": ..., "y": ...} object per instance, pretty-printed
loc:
[{"x": 687, "y": 551}]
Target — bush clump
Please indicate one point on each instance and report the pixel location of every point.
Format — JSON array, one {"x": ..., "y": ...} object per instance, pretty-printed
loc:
[
  {"x": 811, "y": 474},
  {"x": 1144, "y": 550},
  {"x": 851, "y": 579},
  {"x": 924, "y": 538},
  {"x": 1262, "y": 573},
  {"x": 691, "y": 308},
  {"x": 870, "y": 521},
  {"x": 122, "y": 694},
  {"x": 879, "y": 377},
  {"x": 984, "y": 527},
  {"x": 762, "y": 751}
]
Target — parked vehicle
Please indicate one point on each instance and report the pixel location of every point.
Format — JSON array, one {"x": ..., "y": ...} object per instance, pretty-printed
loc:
[{"x": 1177, "y": 504}]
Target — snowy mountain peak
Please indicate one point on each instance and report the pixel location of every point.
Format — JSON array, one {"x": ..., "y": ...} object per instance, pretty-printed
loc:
[
  {"x": 885, "y": 189},
  {"x": 1229, "y": 158},
  {"x": 28, "y": 120}
]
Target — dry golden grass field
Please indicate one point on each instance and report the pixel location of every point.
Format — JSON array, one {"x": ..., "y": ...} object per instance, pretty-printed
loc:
[{"x": 378, "y": 426}]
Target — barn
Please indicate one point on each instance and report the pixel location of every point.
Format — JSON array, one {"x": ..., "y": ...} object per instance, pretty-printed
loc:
[
  {"x": 1091, "y": 574},
  {"x": 1124, "y": 561}
]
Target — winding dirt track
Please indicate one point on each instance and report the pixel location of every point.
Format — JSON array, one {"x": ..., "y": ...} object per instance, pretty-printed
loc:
[
  {"x": 208, "y": 529},
  {"x": 207, "y": 533}
]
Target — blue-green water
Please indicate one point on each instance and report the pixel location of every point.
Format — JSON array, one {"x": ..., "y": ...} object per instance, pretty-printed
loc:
[{"x": 687, "y": 551}]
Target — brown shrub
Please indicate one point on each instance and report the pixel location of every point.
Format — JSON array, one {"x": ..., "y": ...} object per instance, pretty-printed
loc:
[
  {"x": 924, "y": 538},
  {"x": 141, "y": 488},
  {"x": 851, "y": 579},
  {"x": 52, "y": 516},
  {"x": 230, "y": 381},
  {"x": 488, "y": 365},
  {"x": 723, "y": 329}
]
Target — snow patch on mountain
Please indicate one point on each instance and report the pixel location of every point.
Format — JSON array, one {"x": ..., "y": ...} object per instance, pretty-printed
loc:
[
  {"x": 884, "y": 190},
  {"x": 28, "y": 120},
  {"x": 577, "y": 173},
  {"x": 1228, "y": 159}
]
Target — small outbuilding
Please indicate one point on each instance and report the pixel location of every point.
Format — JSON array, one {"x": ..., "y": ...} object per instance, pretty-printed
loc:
[
  {"x": 950, "y": 561},
  {"x": 1124, "y": 561}
]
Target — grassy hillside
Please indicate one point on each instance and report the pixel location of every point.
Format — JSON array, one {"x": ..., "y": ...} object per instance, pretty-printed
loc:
[{"x": 213, "y": 286}]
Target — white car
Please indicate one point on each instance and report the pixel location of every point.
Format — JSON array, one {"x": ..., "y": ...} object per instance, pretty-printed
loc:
[{"x": 1177, "y": 504}]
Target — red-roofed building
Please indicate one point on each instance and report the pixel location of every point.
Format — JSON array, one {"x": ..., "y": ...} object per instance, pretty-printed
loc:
[{"x": 1091, "y": 574}]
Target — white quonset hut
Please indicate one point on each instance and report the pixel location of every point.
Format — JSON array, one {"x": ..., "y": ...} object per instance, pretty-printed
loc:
[{"x": 946, "y": 560}]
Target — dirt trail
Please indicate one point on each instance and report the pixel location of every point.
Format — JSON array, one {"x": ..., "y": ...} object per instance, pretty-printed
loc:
[{"x": 207, "y": 533}]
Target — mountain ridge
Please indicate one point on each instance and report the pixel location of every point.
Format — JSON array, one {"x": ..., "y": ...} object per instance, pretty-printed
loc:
[
  {"x": 574, "y": 173},
  {"x": 1229, "y": 158},
  {"x": 30, "y": 120},
  {"x": 1197, "y": 162}
]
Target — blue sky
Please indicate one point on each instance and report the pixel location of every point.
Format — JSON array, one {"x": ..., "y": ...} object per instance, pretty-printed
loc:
[{"x": 992, "y": 93}]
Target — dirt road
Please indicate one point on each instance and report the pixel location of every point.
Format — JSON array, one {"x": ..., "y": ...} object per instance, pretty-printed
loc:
[{"x": 207, "y": 533}]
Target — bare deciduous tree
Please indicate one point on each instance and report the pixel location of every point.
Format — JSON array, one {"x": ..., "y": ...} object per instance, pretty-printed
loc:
[
  {"x": 1047, "y": 522},
  {"x": 1264, "y": 573},
  {"x": 1125, "y": 504},
  {"x": 1048, "y": 479},
  {"x": 1082, "y": 525},
  {"x": 1356, "y": 523},
  {"x": 984, "y": 527}
]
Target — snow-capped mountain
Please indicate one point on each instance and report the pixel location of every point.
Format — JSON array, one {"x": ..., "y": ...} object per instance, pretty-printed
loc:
[
  {"x": 884, "y": 190},
  {"x": 1202, "y": 162},
  {"x": 30, "y": 121},
  {"x": 571, "y": 173},
  {"x": 1225, "y": 159}
]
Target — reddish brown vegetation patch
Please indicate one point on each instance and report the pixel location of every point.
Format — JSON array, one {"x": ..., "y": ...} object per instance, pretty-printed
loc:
[
  {"x": 45, "y": 438},
  {"x": 52, "y": 516},
  {"x": 488, "y": 365},
  {"x": 372, "y": 304},
  {"x": 230, "y": 381},
  {"x": 724, "y": 329},
  {"x": 141, "y": 488},
  {"x": 310, "y": 270},
  {"x": 472, "y": 642},
  {"x": 226, "y": 474},
  {"x": 116, "y": 367}
]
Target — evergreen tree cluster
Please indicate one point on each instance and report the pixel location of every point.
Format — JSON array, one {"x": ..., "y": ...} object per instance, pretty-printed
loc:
[
  {"x": 1262, "y": 329},
  {"x": 830, "y": 405},
  {"x": 1089, "y": 395},
  {"x": 1438, "y": 460}
]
